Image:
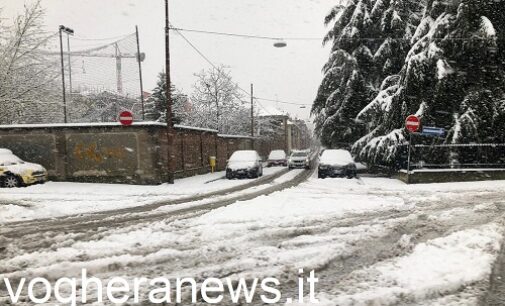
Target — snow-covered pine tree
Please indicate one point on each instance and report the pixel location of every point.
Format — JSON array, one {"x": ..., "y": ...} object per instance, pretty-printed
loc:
[
  {"x": 350, "y": 75},
  {"x": 156, "y": 105},
  {"x": 452, "y": 77}
]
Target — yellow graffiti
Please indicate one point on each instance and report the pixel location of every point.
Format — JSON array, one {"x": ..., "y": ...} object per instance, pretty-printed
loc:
[{"x": 91, "y": 152}]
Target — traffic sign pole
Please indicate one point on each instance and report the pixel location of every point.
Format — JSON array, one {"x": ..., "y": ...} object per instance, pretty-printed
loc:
[
  {"x": 412, "y": 124},
  {"x": 408, "y": 159}
]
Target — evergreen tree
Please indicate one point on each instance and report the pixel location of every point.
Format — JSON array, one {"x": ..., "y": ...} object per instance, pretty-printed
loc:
[
  {"x": 370, "y": 40},
  {"x": 156, "y": 105},
  {"x": 452, "y": 77}
]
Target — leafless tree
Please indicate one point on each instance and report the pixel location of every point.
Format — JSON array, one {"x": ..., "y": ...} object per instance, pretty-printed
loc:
[
  {"x": 217, "y": 103},
  {"x": 28, "y": 77}
]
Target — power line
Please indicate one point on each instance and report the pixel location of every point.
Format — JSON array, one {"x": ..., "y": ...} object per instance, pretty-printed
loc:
[
  {"x": 284, "y": 102},
  {"x": 119, "y": 37},
  {"x": 318, "y": 38},
  {"x": 215, "y": 67},
  {"x": 245, "y": 35}
]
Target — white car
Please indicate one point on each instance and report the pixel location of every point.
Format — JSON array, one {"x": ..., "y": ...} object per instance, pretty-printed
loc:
[
  {"x": 299, "y": 159},
  {"x": 14, "y": 172},
  {"x": 244, "y": 163},
  {"x": 336, "y": 163}
]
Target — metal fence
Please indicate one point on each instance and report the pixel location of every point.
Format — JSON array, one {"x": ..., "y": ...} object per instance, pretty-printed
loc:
[
  {"x": 445, "y": 156},
  {"x": 97, "y": 78},
  {"x": 458, "y": 156}
]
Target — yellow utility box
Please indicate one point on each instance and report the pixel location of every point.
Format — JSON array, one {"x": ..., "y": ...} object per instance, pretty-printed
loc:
[{"x": 212, "y": 163}]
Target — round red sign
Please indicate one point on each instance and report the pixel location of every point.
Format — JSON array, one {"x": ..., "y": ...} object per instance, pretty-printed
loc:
[
  {"x": 126, "y": 118},
  {"x": 413, "y": 123}
]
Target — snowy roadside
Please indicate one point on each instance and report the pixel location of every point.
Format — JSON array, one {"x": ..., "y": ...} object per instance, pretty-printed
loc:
[{"x": 56, "y": 199}]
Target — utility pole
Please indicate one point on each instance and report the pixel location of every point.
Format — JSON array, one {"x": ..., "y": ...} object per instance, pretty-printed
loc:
[
  {"x": 139, "y": 60},
  {"x": 68, "y": 31},
  {"x": 252, "y": 110},
  {"x": 69, "y": 68},
  {"x": 63, "y": 75},
  {"x": 170, "y": 127}
]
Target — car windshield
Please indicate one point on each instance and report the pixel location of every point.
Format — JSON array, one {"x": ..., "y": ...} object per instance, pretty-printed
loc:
[
  {"x": 299, "y": 154},
  {"x": 243, "y": 156},
  {"x": 10, "y": 160},
  {"x": 278, "y": 154}
]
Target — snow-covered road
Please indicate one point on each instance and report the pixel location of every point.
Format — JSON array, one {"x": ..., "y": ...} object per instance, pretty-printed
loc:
[
  {"x": 57, "y": 199},
  {"x": 371, "y": 241}
]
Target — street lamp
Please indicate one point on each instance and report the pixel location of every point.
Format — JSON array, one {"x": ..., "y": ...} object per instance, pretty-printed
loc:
[
  {"x": 280, "y": 44},
  {"x": 69, "y": 32}
]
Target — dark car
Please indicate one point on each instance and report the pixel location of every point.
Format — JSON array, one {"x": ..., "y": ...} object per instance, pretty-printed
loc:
[
  {"x": 336, "y": 163},
  {"x": 244, "y": 163}
]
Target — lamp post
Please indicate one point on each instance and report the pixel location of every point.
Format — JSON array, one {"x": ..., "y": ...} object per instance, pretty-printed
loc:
[
  {"x": 69, "y": 32},
  {"x": 252, "y": 110},
  {"x": 170, "y": 127}
]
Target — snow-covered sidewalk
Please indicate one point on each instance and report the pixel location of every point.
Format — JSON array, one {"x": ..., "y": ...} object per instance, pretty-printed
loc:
[{"x": 56, "y": 199}]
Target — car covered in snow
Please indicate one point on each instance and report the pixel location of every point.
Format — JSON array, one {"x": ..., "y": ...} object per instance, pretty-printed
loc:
[
  {"x": 244, "y": 163},
  {"x": 336, "y": 163},
  {"x": 299, "y": 159},
  {"x": 14, "y": 172},
  {"x": 277, "y": 158}
]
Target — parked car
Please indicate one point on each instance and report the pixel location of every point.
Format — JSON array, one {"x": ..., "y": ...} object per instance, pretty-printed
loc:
[
  {"x": 277, "y": 158},
  {"x": 244, "y": 163},
  {"x": 299, "y": 159},
  {"x": 14, "y": 172},
  {"x": 336, "y": 163}
]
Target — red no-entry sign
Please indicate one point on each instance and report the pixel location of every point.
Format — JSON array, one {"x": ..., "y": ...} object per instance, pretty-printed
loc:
[
  {"x": 413, "y": 123},
  {"x": 126, "y": 118}
]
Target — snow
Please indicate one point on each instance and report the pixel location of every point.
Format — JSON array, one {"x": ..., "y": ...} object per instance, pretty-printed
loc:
[
  {"x": 9, "y": 159},
  {"x": 101, "y": 124},
  {"x": 336, "y": 158},
  {"x": 320, "y": 224},
  {"x": 487, "y": 27},
  {"x": 277, "y": 155},
  {"x": 243, "y": 159},
  {"x": 456, "y": 170},
  {"x": 12, "y": 163},
  {"x": 56, "y": 199},
  {"x": 438, "y": 266},
  {"x": 443, "y": 69},
  {"x": 234, "y": 136}
]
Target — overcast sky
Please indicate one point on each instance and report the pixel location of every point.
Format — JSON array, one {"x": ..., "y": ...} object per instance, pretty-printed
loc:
[{"x": 289, "y": 74}]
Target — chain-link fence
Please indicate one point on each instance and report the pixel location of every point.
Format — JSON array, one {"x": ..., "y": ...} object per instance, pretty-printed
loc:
[{"x": 101, "y": 79}]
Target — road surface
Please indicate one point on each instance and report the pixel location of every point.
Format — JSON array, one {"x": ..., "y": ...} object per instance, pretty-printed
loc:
[{"x": 372, "y": 241}]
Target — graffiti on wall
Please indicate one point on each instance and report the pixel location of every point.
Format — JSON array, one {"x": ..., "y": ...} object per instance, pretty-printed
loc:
[
  {"x": 108, "y": 153},
  {"x": 91, "y": 152}
]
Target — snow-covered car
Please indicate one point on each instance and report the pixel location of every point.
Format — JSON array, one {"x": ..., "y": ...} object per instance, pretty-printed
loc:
[
  {"x": 244, "y": 163},
  {"x": 277, "y": 158},
  {"x": 336, "y": 163},
  {"x": 14, "y": 172},
  {"x": 299, "y": 159}
]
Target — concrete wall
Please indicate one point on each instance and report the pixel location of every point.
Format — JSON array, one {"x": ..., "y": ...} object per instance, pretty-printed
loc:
[
  {"x": 113, "y": 153},
  {"x": 467, "y": 175}
]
